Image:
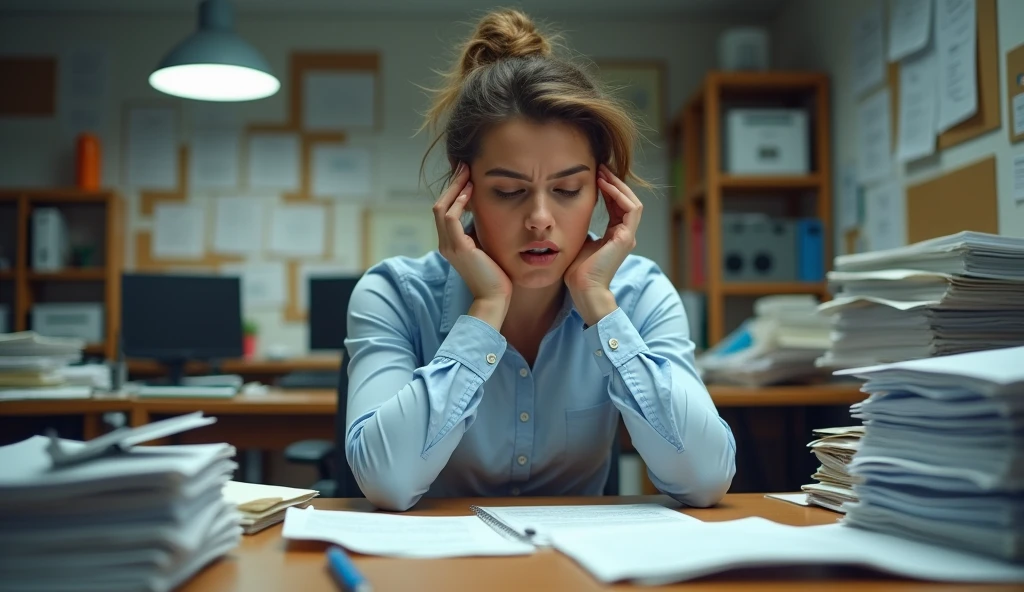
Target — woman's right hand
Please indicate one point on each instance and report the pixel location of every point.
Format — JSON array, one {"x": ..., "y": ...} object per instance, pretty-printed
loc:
[{"x": 488, "y": 283}]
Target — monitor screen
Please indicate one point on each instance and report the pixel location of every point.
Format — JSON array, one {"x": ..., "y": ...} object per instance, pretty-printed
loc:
[
  {"x": 179, "y": 317},
  {"x": 328, "y": 311}
]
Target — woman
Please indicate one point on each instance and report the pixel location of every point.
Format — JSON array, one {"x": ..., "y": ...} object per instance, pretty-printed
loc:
[{"x": 500, "y": 364}]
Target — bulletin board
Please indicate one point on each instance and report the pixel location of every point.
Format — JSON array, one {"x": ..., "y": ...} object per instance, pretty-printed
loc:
[
  {"x": 1014, "y": 90},
  {"x": 963, "y": 199},
  {"x": 988, "y": 117}
]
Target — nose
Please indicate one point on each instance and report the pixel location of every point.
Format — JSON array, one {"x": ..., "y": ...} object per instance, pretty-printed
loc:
[{"x": 539, "y": 215}]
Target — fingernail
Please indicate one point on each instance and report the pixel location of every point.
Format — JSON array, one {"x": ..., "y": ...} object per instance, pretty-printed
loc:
[{"x": 469, "y": 184}]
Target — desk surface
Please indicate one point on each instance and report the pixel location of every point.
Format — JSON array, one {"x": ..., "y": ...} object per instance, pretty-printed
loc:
[
  {"x": 267, "y": 562},
  {"x": 267, "y": 366}
]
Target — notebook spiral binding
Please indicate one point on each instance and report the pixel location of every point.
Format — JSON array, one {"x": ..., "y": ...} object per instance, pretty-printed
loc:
[{"x": 499, "y": 526}]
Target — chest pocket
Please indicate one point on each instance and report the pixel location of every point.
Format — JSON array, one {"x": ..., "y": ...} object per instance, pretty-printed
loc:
[{"x": 589, "y": 432}]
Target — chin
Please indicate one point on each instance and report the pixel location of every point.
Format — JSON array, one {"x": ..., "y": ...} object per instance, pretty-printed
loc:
[{"x": 535, "y": 279}]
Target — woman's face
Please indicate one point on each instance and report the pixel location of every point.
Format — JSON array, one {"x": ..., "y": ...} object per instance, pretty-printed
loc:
[{"x": 534, "y": 190}]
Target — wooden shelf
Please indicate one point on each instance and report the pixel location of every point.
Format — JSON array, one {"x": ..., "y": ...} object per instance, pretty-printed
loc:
[
  {"x": 6, "y": 275},
  {"x": 64, "y": 195},
  {"x": 766, "y": 288},
  {"x": 777, "y": 183},
  {"x": 95, "y": 349},
  {"x": 70, "y": 275}
]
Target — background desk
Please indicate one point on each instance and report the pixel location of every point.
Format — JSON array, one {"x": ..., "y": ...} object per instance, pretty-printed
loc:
[
  {"x": 264, "y": 370},
  {"x": 266, "y": 562},
  {"x": 22, "y": 419}
]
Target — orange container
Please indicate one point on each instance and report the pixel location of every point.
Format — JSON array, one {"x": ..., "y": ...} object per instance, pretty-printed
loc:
[{"x": 87, "y": 162}]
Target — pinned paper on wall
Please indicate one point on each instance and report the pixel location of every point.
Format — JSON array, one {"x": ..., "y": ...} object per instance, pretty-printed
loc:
[
  {"x": 179, "y": 231},
  {"x": 1018, "y": 179},
  {"x": 398, "y": 231},
  {"x": 342, "y": 171},
  {"x": 337, "y": 101},
  {"x": 910, "y": 27},
  {"x": 152, "y": 151},
  {"x": 348, "y": 235},
  {"x": 874, "y": 141},
  {"x": 84, "y": 90},
  {"x": 868, "y": 45},
  {"x": 918, "y": 108},
  {"x": 298, "y": 230},
  {"x": 215, "y": 159},
  {"x": 263, "y": 284},
  {"x": 885, "y": 219},
  {"x": 849, "y": 206},
  {"x": 956, "y": 36},
  {"x": 238, "y": 225},
  {"x": 274, "y": 161}
]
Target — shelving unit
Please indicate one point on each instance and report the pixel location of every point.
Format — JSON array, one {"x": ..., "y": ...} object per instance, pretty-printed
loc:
[
  {"x": 29, "y": 285},
  {"x": 697, "y": 141}
]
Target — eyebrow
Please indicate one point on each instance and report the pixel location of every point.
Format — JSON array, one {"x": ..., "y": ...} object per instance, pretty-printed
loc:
[{"x": 500, "y": 172}]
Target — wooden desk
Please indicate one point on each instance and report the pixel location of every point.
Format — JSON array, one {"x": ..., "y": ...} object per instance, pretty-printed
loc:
[
  {"x": 262, "y": 369},
  {"x": 91, "y": 411},
  {"x": 726, "y": 396},
  {"x": 266, "y": 562}
]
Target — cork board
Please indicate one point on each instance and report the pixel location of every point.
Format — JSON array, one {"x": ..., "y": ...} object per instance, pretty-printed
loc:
[
  {"x": 30, "y": 86},
  {"x": 149, "y": 199},
  {"x": 988, "y": 117},
  {"x": 144, "y": 260},
  {"x": 1015, "y": 88},
  {"x": 962, "y": 199},
  {"x": 301, "y": 63}
]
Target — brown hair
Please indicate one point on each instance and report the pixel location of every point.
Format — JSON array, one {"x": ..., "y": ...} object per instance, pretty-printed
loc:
[{"x": 507, "y": 69}]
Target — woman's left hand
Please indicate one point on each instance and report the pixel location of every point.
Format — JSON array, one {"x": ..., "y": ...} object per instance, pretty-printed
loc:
[{"x": 589, "y": 276}]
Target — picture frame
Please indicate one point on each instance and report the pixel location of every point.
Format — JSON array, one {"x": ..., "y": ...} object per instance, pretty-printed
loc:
[{"x": 641, "y": 84}]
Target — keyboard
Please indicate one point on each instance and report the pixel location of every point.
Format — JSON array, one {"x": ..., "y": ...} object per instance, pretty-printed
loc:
[
  {"x": 310, "y": 379},
  {"x": 197, "y": 392}
]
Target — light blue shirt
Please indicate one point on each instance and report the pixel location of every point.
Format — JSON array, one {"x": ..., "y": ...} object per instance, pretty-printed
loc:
[{"x": 440, "y": 405}]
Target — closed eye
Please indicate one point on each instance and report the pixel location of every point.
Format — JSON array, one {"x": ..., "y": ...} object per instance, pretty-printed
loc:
[
  {"x": 568, "y": 193},
  {"x": 509, "y": 194}
]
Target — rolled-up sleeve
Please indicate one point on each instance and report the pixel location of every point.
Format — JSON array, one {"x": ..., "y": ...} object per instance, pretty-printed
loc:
[
  {"x": 404, "y": 418},
  {"x": 689, "y": 450}
]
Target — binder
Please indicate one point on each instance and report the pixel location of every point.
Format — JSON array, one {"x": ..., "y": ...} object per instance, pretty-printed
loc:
[{"x": 810, "y": 249}]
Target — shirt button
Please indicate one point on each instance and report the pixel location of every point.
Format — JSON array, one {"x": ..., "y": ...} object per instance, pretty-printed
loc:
[
  {"x": 523, "y": 372},
  {"x": 521, "y": 460},
  {"x": 491, "y": 358},
  {"x": 599, "y": 353},
  {"x": 524, "y": 417},
  {"x": 515, "y": 491},
  {"x": 613, "y": 343}
]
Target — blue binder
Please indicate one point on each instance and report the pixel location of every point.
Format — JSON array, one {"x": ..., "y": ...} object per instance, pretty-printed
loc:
[{"x": 810, "y": 249}]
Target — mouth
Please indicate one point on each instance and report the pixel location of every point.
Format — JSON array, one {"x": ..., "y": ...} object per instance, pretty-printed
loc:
[{"x": 540, "y": 254}]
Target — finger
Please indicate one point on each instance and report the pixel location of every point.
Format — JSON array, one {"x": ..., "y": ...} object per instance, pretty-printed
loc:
[
  {"x": 620, "y": 184},
  {"x": 453, "y": 217},
  {"x": 630, "y": 210},
  {"x": 448, "y": 197}
]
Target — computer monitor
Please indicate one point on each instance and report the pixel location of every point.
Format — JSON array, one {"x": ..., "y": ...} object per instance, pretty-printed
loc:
[
  {"x": 328, "y": 311},
  {"x": 177, "y": 318}
]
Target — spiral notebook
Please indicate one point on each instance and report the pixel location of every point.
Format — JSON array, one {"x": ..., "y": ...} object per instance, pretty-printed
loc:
[{"x": 535, "y": 524}]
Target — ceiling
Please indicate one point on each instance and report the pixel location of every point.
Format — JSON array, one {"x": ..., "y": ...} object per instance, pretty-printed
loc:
[{"x": 740, "y": 9}]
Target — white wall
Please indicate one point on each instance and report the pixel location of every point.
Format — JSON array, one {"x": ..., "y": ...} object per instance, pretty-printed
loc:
[
  {"x": 815, "y": 34},
  {"x": 36, "y": 153}
]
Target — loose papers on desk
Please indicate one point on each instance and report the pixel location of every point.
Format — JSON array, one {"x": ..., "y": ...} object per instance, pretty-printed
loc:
[
  {"x": 145, "y": 519},
  {"x": 834, "y": 448},
  {"x": 264, "y": 505},
  {"x": 36, "y": 367},
  {"x": 942, "y": 458}
]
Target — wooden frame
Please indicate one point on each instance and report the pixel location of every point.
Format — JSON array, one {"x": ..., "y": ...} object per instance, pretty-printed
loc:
[
  {"x": 699, "y": 123},
  {"x": 646, "y": 80}
]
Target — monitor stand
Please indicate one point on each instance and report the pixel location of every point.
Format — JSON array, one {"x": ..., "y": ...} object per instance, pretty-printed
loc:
[{"x": 175, "y": 370}]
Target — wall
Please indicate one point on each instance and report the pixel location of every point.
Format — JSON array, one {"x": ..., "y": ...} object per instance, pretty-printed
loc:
[
  {"x": 815, "y": 34},
  {"x": 35, "y": 153}
]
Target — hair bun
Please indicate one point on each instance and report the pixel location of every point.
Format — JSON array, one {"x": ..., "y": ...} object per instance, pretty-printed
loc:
[{"x": 503, "y": 34}]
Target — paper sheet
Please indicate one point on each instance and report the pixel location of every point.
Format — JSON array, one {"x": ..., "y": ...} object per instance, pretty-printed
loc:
[
  {"x": 910, "y": 27},
  {"x": 874, "y": 141},
  {"x": 298, "y": 230},
  {"x": 849, "y": 200},
  {"x": 313, "y": 270},
  {"x": 152, "y": 148},
  {"x": 335, "y": 101},
  {"x": 799, "y": 499},
  {"x": 868, "y": 56},
  {"x": 545, "y": 520},
  {"x": 885, "y": 222},
  {"x": 178, "y": 231},
  {"x": 84, "y": 88},
  {"x": 214, "y": 157},
  {"x": 1018, "y": 114},
  {"x": 918, "y": 106},
  {"x": 348, "y": 235},
  {"x": 1018, "y": 179},
  {"x": 238, "y": 225},
  {"x": 377, "y": 533},
  {"x": 263, "y": 284},
  {"x": 274, "y": 161},
  {"x": 341, "y": 171},
  {"x": 957, "y": 44}
]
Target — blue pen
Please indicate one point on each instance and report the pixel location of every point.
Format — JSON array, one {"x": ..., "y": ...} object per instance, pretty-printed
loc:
[{"x": 345, "y": 571}]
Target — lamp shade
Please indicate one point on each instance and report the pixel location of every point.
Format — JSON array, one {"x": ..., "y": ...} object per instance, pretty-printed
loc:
[{"x": 214, "y": 63}]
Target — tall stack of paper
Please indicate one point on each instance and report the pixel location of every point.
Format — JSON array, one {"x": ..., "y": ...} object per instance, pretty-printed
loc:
[
  {"x": 949, "y": 295},
  {"x": 145, "y": 519},
  {"x": 31, "y": 366},
  {"x": 834, "y": 448},
  {"x": 942, "y": 458},
  {"x": 780, "y": 344}
]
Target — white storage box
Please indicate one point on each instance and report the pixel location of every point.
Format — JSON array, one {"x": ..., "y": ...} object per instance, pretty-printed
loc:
[
  {"x": 766, "y": 142},
  {"x": 81, "y": 320}
]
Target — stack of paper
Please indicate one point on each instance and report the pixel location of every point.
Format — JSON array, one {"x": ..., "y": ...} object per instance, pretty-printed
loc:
[
  {"x": 780, "y": 344},
  {"x": 942, "y": 457},
  {"x": 944, "y": 296},
  {"x": 145, "y": 519},
  {"x": 834, "y": 448},
  {"x": 264, "y": 505},
  {"x": 31, "y": 366}
]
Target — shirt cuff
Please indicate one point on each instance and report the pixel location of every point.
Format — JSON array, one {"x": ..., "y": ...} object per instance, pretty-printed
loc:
[
  {"x": 613, "y": 341},
  {"x": 474, "y": 344}
]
